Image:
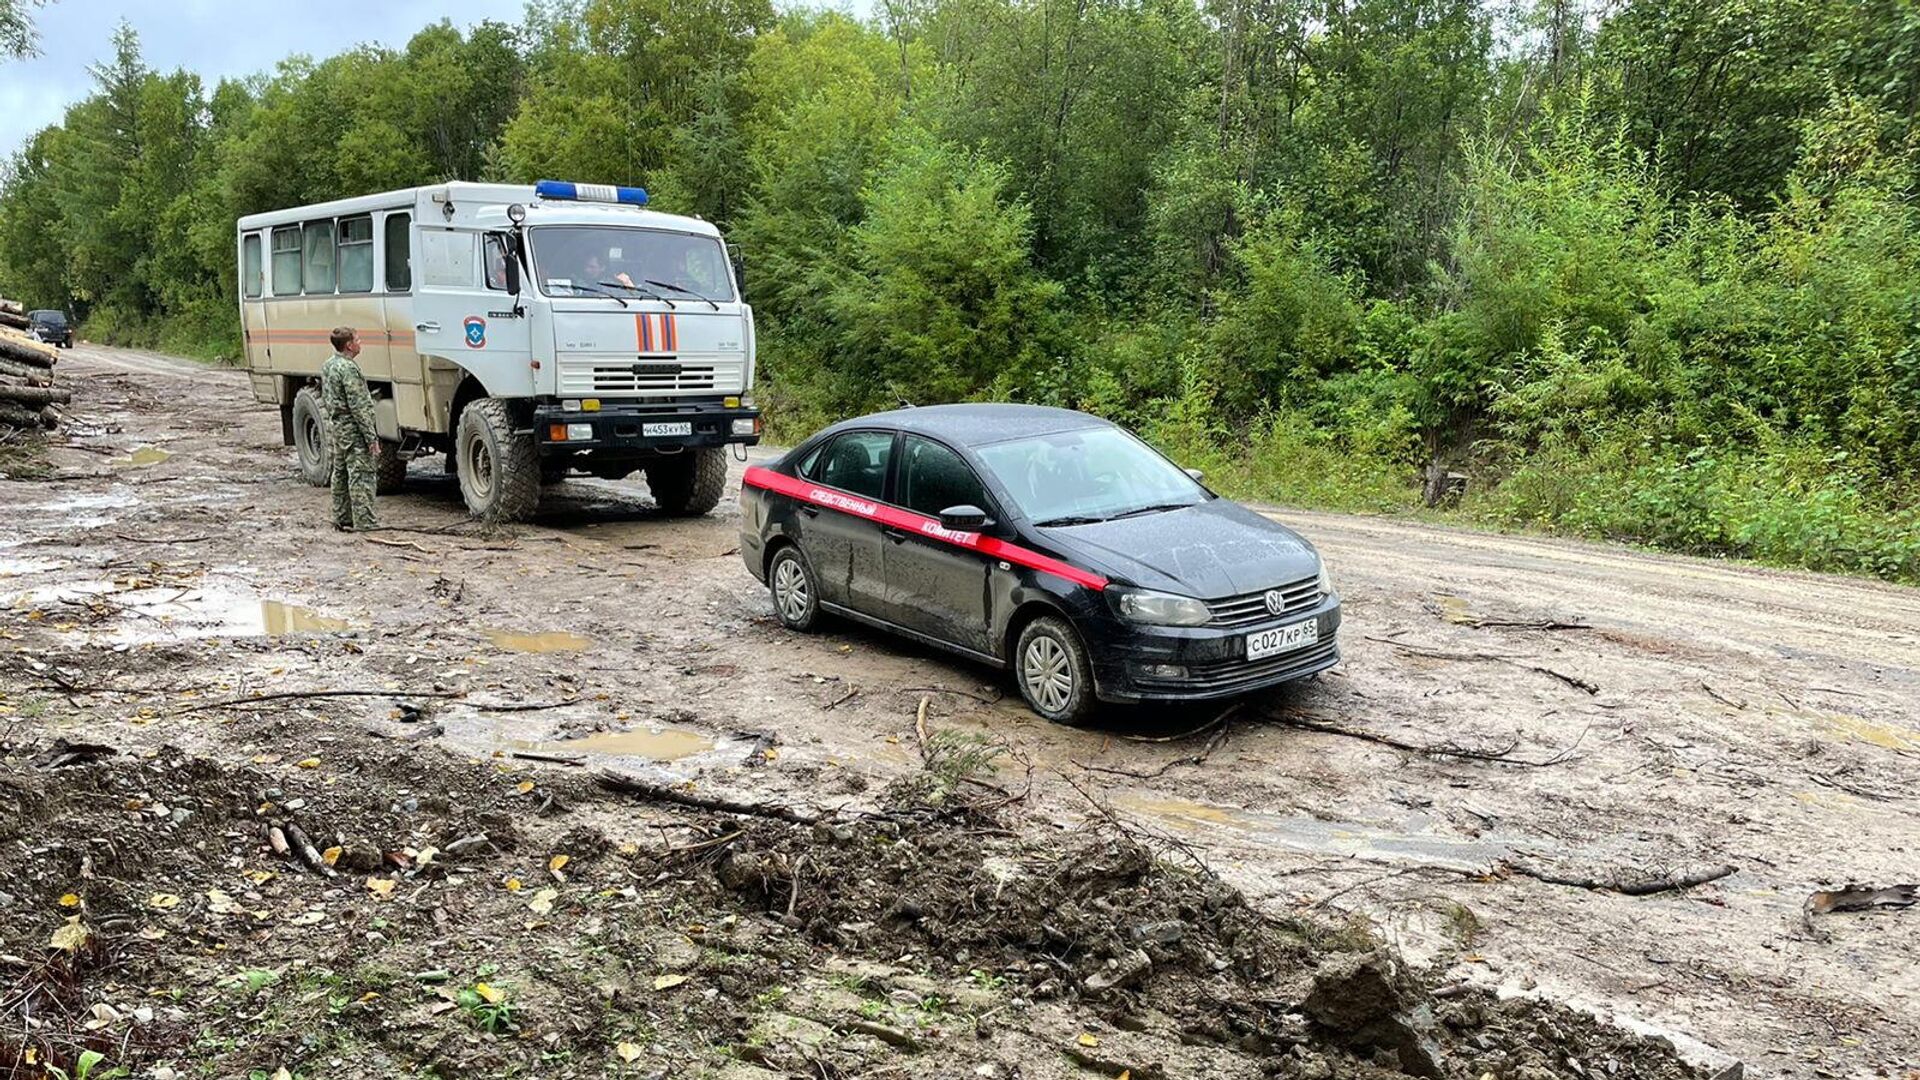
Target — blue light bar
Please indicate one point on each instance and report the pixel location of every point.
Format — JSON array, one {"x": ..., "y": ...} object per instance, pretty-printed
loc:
[{"x": 564, "y": 190}]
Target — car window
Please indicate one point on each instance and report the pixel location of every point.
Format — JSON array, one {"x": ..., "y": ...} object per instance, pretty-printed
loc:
[
  {"x": 857, "y": 463},
  {"x": 1090, "y": 474},
  {"x": 810, "y": 465},
  {"x": 934, "y": 478}
]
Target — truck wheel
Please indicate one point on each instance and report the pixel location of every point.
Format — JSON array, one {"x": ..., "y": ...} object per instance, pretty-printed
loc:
[
  {"x": 499, "y": 470},
  {"x": 389, "y": 469},
  {"x": 689, "y": 483},
  {"x": 310, "y": 438}
]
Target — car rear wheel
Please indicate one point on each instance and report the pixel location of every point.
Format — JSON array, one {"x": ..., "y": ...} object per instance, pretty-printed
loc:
[
  {"x": 1050, "y": 665},
  {"x": 796, "y": 595}
]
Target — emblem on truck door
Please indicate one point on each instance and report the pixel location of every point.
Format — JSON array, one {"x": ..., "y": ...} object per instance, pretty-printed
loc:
[{"x": 476, "y": 332}]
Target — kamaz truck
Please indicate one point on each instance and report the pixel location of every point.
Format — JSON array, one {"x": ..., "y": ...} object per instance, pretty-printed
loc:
[{"x": 525, "y": 332}]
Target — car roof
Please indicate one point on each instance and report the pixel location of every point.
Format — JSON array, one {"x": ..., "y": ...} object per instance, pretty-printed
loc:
[{"x": 978, "y": 424}]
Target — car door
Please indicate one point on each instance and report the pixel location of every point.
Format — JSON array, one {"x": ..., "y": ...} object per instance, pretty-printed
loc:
[
  {"x": 933, "y": 585},
  {"x": 838, "y": 526}
]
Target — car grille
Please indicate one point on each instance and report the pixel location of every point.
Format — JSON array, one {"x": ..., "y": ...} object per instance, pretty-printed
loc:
[
  {"x": 1228, "y": 675},
  {"x": 1251, "y": 608}
]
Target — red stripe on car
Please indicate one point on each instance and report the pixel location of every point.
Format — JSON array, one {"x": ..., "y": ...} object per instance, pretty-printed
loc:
[{"x": 894, "y": 517}]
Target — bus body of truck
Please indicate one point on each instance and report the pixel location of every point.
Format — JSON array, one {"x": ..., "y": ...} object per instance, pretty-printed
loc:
[{"x": 524, "y": 331}]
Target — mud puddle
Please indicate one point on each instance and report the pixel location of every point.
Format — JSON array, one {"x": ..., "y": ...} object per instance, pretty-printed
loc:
[
  {"x": 551, "y": 641},
  {"x": 144, "y": 456},
  {"x": 1409, "y": 841},
  {"x": 661, "y": 745}
]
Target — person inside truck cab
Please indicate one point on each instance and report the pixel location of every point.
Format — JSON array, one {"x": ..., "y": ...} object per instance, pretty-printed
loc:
[{"x": 594, "y": 272}]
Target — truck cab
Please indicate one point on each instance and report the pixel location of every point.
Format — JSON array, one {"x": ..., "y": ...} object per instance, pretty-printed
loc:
[{"x": 526, "y": 332}]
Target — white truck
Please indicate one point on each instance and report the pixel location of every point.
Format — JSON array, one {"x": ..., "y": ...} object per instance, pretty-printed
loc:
[{"x": 526, "y": 332}]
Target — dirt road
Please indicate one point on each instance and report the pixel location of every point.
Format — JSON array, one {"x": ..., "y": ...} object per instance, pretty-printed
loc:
[{"x": 1522, "y": 730}]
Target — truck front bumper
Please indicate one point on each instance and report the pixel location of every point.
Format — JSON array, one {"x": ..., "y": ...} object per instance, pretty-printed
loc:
[{"x": 665, "y": 426}]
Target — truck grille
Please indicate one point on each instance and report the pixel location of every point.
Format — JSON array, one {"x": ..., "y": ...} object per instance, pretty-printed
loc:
[
  {"x": 612, "y": 377},
  {"x": 651, "y": 377},
  {"x": 1251, "y": 608}
]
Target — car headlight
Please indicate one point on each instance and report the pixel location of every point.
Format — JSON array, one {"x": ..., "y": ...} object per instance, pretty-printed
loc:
[
  {"x": 1160, "y": 609},
  {"x": 1326, "y": 582}
]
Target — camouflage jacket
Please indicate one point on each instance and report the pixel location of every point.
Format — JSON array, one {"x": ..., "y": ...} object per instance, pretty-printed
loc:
[{"x": 343, "y": 393}]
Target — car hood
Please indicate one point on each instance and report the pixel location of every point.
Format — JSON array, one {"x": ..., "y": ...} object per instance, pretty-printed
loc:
[{"x": 1212, "y": 550}]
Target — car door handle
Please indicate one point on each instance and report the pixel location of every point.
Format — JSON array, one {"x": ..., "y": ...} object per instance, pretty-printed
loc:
[
  {"x": 809, "y": 511},
  {"x": 427, "y": 327},
  {"x": 895, "y": 535}
]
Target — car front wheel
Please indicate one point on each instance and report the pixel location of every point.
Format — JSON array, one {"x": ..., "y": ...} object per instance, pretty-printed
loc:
[
  {"x": 1050, "y": 664},
  {"x": 796, "y": 596}
]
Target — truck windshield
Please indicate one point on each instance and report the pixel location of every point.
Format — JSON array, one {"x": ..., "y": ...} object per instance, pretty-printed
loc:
[{"x": 589, "y": 260}]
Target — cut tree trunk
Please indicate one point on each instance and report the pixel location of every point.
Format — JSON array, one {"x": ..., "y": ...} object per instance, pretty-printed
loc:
[
  {"x": 19, "y": 322},
  {"x": 25, "y": 350},
  {"x": 35, "y": 376},
  {"x": 13, "y": 307},
  {"x": 35, "y": 395},
  {"x": 19, "y": 416}
]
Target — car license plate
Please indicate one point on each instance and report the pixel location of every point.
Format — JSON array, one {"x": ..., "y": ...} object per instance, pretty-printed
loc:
[
  {"x": 655, "y": 431},
  {"x": 1283, "y": 639}
]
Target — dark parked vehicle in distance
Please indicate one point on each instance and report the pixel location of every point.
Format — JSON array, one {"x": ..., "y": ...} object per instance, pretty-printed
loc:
[
  {"x": 1044, "y": 540},
  {"x": 51, "y": 327}
]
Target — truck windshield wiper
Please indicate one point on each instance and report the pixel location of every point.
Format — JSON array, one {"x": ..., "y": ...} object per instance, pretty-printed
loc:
[
  {"x": 683, "y": 289},
  {"x": 1071, "y": 519},
  {"x": 648, "y": 293},
  {"x": 579, "y": 288},
  {"x": 1154, "y": 509}
]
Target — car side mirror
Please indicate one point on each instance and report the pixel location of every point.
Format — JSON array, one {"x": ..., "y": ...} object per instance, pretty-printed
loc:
[
  {"x": 964, "y": 518},
  {"x": 1196, "y": 474}
]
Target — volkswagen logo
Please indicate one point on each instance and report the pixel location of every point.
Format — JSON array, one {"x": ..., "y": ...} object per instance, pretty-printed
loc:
[{"x": 1276, "y": 603}]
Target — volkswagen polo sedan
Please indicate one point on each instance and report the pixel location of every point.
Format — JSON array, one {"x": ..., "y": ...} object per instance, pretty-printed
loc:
[{"x": 1042, "y": 540}]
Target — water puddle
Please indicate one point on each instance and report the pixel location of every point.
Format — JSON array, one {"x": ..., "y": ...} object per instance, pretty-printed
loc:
[
  {"x": 653, "y": 744},
  {"x": 1885, "y": 736},
  {"x": 552, "y": 641},
  {"x": 144, "y": 456},
  {"x": 278, "y": 620},
  {"x": 1406, "y": 842},
  {"x": 11, "y": 566}
]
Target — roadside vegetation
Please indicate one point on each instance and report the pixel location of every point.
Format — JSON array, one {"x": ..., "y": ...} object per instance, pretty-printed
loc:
[{"x": 1652, "y": 275}]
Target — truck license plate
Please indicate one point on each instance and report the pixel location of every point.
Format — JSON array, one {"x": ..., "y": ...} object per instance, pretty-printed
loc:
[
  {"x": 1283, "y": 639},
  {"x": 655, "y": 431}
]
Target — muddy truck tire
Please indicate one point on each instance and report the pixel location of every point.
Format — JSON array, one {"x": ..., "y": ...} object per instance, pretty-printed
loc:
[
  {"x": 310, "y": 438},
  {"x": 499, "y": 469},
  {"x": 689, "y": 483},
  {"x": 389, "y": 469}
]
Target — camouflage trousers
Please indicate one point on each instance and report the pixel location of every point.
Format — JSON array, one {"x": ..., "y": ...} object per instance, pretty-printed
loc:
[{"x": 353, "y": 484}]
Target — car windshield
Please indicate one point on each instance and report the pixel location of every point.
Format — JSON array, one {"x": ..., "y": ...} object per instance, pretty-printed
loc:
[
  {"x": 51, "y": 318},
  {"x": 594, "y": 260},
  {"x": 1094, "y": 474}
]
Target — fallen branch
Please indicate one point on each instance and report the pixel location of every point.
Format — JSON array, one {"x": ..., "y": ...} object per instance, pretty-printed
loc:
[
  {"x": 1571, "y": 680},
  {"x": 1722, "y": 698},
  {"x": 1500, "y": 757},
  {"x": 1630, "y": 882},
  {"x": 162, "y": 539},
  {"x": 1516, "y": 624},
  {"x": 537, "y": 706},
  {"x": 981, "y": 698},
  {"x": 852, "y": 692},
  {"x": 291, "y": 694},
  {"x": 555, "y": 759},
  {"x": 1191, "y": 759},
  {"x": 402, "y": 544},
  {"x": 652, "y": 792}
]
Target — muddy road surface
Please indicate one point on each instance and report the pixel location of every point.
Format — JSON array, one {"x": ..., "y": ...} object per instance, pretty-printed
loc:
[{"x": 1529, "y": 752}]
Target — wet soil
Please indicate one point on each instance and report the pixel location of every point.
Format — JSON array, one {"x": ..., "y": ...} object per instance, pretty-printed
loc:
[{"x": 168, "y": 589}]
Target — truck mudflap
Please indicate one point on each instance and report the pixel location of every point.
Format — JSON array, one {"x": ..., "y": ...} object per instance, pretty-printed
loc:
[{"x": 644, "y": 426}]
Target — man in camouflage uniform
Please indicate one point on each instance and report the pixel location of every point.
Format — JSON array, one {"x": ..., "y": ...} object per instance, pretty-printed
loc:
[{"x": 350, "y": 432}]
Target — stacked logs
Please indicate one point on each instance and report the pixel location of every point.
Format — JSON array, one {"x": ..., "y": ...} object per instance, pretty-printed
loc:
[{"x": 27, "y": 393}]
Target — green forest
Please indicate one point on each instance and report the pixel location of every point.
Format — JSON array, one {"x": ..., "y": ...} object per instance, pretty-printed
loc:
[{"x": 1646, "y": 270}]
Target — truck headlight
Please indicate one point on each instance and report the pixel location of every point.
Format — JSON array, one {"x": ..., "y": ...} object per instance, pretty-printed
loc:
[
  {"x": 747, "y": 426},
  {"x": 579, "y": 432},
  {"x": 1159, "y": 609}
]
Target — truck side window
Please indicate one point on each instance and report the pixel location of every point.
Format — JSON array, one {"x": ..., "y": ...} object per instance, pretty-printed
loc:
[
  {"x": 319, "y": 271},
  {"x": 356, "y": 255},
  {"x": 399, "y": 253},
  {"x": 286, "y": 261},
  {"x": 495, "y": 264},
  {"x": 250, "y": 266},
  {"x": 446, "y": 258}
]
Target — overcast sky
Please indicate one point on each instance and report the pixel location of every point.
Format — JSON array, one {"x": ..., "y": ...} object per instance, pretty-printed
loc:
[{"x": 213, "y": 38}]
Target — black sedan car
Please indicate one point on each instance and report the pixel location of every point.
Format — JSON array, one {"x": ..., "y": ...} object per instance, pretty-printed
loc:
[
  {"x": 1044, "y": 540},
  {"x": 52, "y": 327}
]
